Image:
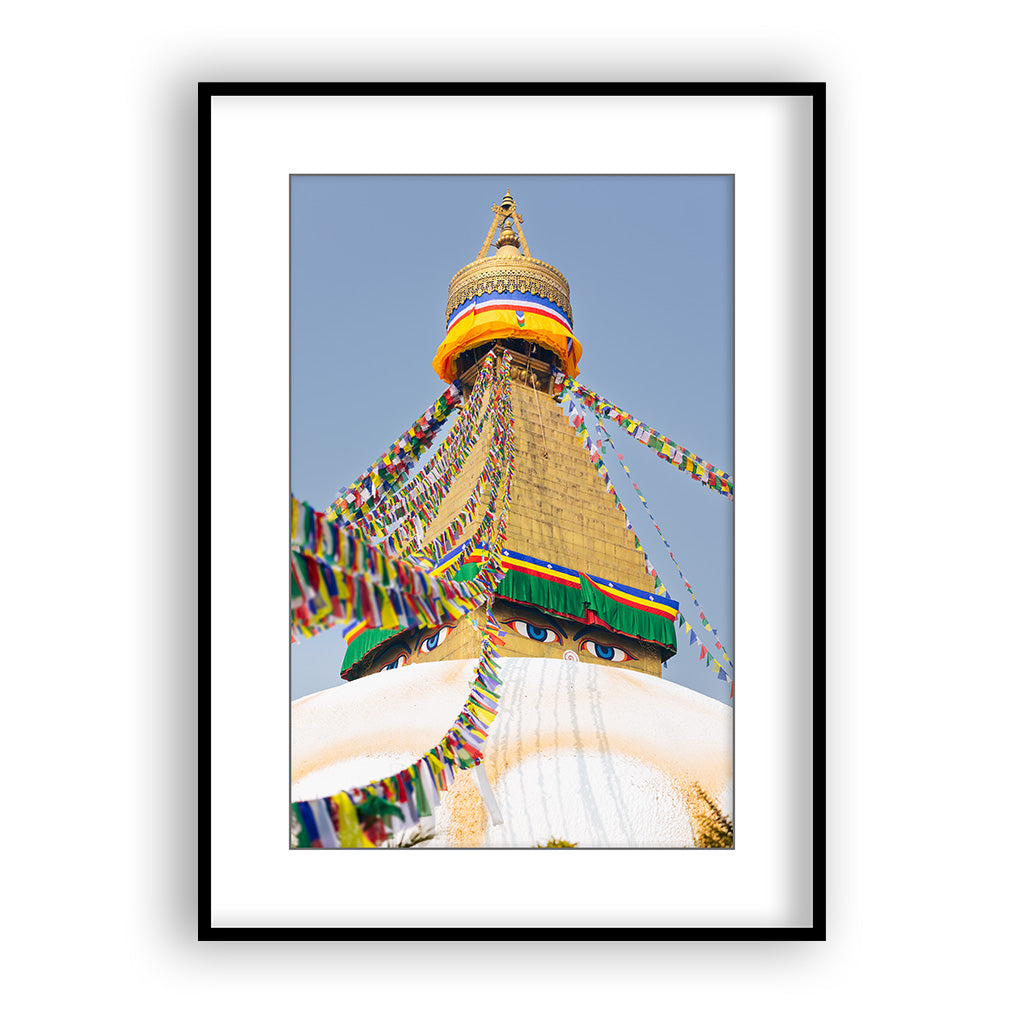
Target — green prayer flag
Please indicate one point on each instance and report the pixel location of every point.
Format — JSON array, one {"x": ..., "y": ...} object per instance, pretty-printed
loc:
[
  {"x": 300, "y": 837},
  {"x": 377, "y": 807},
  {"x": 422, "y": 804}
]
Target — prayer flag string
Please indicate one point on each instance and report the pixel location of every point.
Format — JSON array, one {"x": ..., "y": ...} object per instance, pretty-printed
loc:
[
  {"x": 444, "y": 465},
  {"x": 337, "y": 577},
  {"x": 665, "y": 448},
  {"x": 575, "y": 415},
  {"x": 372, "y": 814},
  {"x": 497, "y": 414},
  {"x": 408, "y": 513},
  {"x": 397, "y": 462},
  {"x": 716, "y": 642}
]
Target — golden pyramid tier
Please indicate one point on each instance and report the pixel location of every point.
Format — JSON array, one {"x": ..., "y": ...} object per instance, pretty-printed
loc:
[{"x": 562, "y": 518}]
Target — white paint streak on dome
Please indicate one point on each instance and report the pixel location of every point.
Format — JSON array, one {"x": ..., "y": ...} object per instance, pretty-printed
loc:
[
  {"x": 593, "y": 805},
  {"x": 592, "y": 754}
]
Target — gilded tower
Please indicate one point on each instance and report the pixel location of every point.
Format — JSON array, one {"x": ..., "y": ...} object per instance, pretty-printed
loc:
[{"x": 577, "y": 584}]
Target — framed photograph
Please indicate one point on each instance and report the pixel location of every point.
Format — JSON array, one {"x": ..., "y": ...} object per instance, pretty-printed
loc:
[{"x": 527, "y": 374}]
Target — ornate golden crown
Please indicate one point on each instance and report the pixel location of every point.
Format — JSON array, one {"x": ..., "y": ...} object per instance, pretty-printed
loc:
[{"x": 509, "y": 274}]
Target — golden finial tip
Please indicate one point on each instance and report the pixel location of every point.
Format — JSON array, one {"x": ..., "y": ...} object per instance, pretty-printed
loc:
[{"x": 508, "y": 235}]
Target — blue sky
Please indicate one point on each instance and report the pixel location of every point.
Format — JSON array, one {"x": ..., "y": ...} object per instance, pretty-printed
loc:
[{"x": 649, "y": 260}]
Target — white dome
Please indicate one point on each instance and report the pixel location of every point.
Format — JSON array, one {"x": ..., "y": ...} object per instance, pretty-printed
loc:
[{"x": 595, "y": 755}]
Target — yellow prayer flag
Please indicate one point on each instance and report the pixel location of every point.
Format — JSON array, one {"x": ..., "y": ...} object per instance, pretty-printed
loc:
[
  {"x": 388, "y": 615},
  {"x": 349, "y": 833}
]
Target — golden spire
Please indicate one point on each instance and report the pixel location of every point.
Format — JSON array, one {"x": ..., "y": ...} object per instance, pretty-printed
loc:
[
  {"x": 510, "y": 267},
  {"x": 505, "y": 211}
]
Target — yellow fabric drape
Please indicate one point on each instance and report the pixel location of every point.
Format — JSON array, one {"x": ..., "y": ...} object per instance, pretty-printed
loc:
[{"x": 488, "y": 325}]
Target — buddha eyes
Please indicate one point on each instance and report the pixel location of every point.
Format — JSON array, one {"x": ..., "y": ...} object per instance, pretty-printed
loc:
[
  {"x": 547, "y": 635},
  {"x": 425, "y": 646},
  {"x": 435, "y": 640},
  {"x": 606, "y": 652},
  {"x": 542, "y": 634}
]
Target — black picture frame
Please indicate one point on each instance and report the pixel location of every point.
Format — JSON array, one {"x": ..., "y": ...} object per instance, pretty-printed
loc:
[{"x": 208, "y": 930}]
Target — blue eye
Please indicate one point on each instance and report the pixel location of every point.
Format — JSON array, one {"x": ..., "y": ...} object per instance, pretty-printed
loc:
[
  {"x": 605, "y": 651},
  {"x": 541, "y": 634},
  {"x": 435, "y": 641},
  {"x": 397, "y": 663}
]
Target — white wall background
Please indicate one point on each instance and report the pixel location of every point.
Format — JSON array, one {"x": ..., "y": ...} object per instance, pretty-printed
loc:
[{"x": 99, "y": 415}]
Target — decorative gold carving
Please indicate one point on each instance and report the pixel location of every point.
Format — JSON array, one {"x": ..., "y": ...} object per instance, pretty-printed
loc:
[{"x": 509, "y": 274}]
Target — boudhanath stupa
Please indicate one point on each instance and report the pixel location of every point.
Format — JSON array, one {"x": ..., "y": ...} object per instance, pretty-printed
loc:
[{"x": 502, "y": 684}]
